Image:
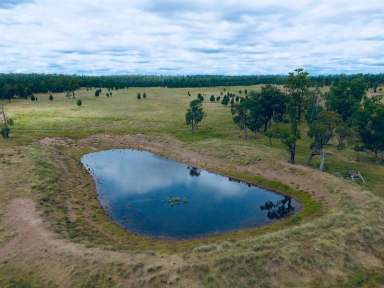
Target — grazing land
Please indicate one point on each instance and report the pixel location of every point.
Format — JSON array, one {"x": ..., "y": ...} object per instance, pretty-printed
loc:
[{"x": 54, "y": 233}]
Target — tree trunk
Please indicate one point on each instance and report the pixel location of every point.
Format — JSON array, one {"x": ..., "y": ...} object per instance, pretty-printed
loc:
[
  {"x": 245, "y": 134},
  {"x": 293, "y": 153},
  {"x": 322, "y": 160}
]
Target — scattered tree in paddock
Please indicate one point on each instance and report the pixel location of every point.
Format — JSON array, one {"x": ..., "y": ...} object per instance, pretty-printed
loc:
[
  {"x": 221, "y": 93},
  {"x": 217, "y": 98},
  {"x": 33, "y": 98},
  {"x": 73, "y": 95},
  {"x": 274, "y": 132},
  {"x": 212, "y": 98},
  {"x": 50, "y": 97},
  {"x": 345, "y": 97},
  {"x": 232, "y": 101},
  {"x": 138, "y": 96},
  {"x": 369, "y": 122},
  {"x": 225, "y": 100},
  {"x": 79, "y": 102},
  {"x": 322, "y": 130},
  {"x": 343, "y": 132},
  {"x": 237, "y": 99},
  {"x": 189, "y": 93},
  {"x": 144, "y": 95},
  {"x": 289, "y": 140},
  {"x": 6, "y": 122},
  {"x": 314, "y": 106},
  {"x": 98, "y": 92},
  {"x": 271, "y": 105},
  {"x": 200, "y": 97},
  {"x": 245, "y": 91},
  {"x": 240, "y": 91},
  {"x": 242, "y": 116},
  {"x": 297, "y": 85},
  {"x": 195, "y": 114}
]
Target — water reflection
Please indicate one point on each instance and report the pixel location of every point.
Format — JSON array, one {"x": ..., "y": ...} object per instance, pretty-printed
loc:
[
  {"x": 152, "y": 195},
  {"x": 194, "y": 172},
  {"x": 279, "y": 209}
]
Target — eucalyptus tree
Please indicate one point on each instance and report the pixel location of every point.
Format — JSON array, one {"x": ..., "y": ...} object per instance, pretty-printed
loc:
[
  {"x": 242, "y": 116},
  {"x": 195, "y": 114},
  {"x": 322, "y": 130},
  {"x": 345, "y": 97},
  {"x": 298, "y": 84},
  {"x": 6, "y": 122},
  {"x": 369, "y": 122}
]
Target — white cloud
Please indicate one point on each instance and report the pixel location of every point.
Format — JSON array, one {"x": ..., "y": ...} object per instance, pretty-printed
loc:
[{"x": 189, "y": 37}]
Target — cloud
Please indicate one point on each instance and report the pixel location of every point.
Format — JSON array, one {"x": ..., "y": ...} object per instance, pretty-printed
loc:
[
  {"x": 191, "y": 37},
  {"x": 7, "y": 4}
]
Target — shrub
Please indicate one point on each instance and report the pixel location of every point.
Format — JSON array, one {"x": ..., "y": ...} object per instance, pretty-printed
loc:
[{"x": 5, "y": 132}]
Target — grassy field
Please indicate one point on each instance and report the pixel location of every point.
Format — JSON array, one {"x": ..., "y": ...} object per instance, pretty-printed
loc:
[{"x": 53, "y": 232}]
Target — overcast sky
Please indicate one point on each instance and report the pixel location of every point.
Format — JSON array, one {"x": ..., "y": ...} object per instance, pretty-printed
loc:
[{"x": 191, "y": 37}]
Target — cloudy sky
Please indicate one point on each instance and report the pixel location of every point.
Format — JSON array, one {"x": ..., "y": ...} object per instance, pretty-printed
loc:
[{"x": 191, "y": 36}]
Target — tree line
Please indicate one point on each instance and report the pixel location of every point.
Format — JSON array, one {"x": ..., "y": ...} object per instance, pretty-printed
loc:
[{"x": 24, "y": 85}]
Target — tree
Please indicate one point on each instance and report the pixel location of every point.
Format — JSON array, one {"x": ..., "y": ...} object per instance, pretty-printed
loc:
[
  {"x": 50, "y": 97},
  {"x": 343, "y": 132},
  {"x": 241, "y": 116},
  {"x": 212, "y": 98},
  {"x": 225, "y": 100},
  {"x": 274, "y": 132},
  {"x": 314, "y": 106},
  {"x": 289, "y": 138},
  {"x": 195, "y": 114},
  {"x": 345, "y": 97},
  {"x": 200, "y": 97},
  {"x": 138, "y": 96},
  {"x": 144, "y": 95},
  {"x": 6, "y": 123},
  {"x": 297, "y": 85},
  {"x": 79, "y": 103},
  {"x": 369, "y": 122},
  {"x": 271, "y": 105},
  {"x": 98, "y": 92},
  {"x": 322, "y": 130}
]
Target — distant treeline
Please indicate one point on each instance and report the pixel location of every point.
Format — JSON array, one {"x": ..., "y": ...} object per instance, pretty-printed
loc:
[{"x": 24, "y": 85}]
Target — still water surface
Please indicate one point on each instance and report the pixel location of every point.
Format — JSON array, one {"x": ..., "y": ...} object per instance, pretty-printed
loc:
[{"x": 151, "y": 195}]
